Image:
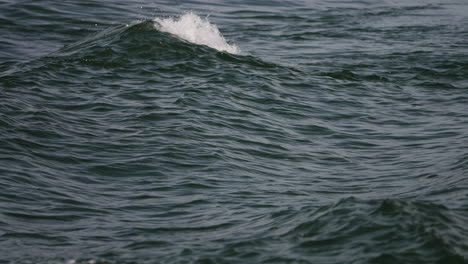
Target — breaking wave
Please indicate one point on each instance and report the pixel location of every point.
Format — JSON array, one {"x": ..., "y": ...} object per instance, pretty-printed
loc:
[{"x": 195, "y": 29}]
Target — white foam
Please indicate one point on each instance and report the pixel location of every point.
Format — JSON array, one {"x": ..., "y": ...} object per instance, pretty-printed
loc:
[{"x": 195, "y": 29}]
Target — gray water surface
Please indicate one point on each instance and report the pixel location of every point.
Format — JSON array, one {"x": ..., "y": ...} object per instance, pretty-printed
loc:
[{"x": 337, "y": 135}]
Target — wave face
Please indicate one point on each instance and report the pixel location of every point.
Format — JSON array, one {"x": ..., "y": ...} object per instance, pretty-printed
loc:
[
  {"x": 195, "y": 29},
  {"x": 337, "y": 135}
]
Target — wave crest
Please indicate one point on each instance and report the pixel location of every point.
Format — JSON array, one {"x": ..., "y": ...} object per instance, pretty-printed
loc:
[{"x": 195, "y": 29}]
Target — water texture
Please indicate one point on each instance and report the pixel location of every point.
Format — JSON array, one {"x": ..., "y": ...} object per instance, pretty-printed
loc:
[{"x": 233, "y": 131}]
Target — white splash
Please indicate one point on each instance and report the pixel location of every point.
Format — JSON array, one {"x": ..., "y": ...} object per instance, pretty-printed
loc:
[{"x": 195, "y": 29}]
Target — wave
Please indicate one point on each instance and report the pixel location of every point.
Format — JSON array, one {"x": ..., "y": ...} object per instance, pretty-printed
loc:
[
  {"x": 139, "y": 47},
  {"x": 352, "y": 230},
  {"x": 195, "y": 29},
  {"x": 141, "y": 40},
  {"x": 349, "y": 230}
]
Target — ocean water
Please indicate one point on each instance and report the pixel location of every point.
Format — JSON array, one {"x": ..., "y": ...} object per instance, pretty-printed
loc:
[{"x": 233, "y": 131}]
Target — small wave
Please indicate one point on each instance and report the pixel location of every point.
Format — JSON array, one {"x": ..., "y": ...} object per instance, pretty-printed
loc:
[{"x": 195, "y": 29}]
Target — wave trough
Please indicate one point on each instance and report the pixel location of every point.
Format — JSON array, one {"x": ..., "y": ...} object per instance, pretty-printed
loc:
[{"x": 195, "y": 29}]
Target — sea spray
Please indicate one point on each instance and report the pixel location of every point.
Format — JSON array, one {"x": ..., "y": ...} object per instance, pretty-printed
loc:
[{"x": 195, "y": 29}]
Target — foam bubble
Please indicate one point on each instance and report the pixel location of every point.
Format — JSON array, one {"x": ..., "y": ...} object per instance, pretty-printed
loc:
[{"x": 195, "y": 29}]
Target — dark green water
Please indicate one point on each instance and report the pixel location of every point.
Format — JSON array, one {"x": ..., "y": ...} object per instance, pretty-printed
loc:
[{"x": 337, "y": 134}]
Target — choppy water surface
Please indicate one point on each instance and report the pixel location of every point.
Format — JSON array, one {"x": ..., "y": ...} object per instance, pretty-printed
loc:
[{"x": 233, "y": 131}]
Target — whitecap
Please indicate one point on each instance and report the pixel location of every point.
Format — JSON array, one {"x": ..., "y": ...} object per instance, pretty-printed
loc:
[{"x": 195, "y": 29}]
